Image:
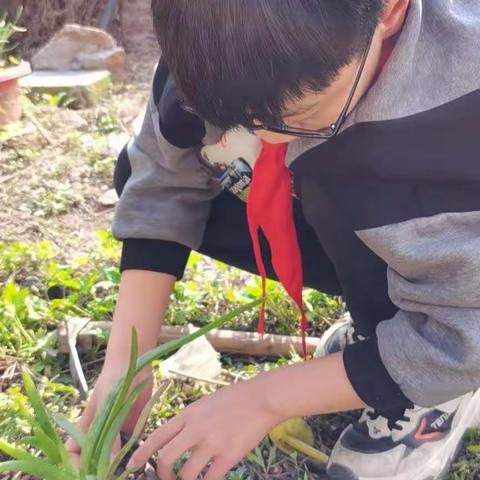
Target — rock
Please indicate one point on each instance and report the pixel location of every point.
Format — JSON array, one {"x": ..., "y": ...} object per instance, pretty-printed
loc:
[
  {"x": 76, "y": 47},
  {"x": 116, "y": 142},
  {"x": 114, "y": 60},
  {"x": 149, "y": 473},
  {"x": 109, "y": 199}
]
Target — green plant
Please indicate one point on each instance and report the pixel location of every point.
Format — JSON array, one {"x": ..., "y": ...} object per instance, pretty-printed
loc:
[
  {"x": 107, "y": 123},
  {"x": 54, "y": 100},
  {"x": 8, "y": 28},
  {"x": 97, "y": 443}
]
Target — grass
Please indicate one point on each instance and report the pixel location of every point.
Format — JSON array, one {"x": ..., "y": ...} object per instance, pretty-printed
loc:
[{"x": 38, "y": 288}]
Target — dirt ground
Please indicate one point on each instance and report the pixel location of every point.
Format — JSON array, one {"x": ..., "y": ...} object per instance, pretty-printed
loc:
[{"x": 59, "y": 163}]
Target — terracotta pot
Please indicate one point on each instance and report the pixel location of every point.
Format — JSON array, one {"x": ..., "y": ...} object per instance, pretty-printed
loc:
[{"x": 10, "y": 107}]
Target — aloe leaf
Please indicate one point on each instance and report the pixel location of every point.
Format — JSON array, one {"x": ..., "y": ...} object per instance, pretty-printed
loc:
[
  {"x": 36, "y": 468},
  {"x": 120, "y": 399},
  {"x": 31, "y": 442},
  {"x": 68, "y": 427},
  {"x": 167, "y": 348},
  {"x": 96, "y": 429},
  {"x": 39, "y": 441},
  {"x": 137, "y": 431},
  {"x": 14, "y": 452},
  {"x": 127, "y": 380},
  {"x": 114, "y": 430},
  {"x": 42, "y": 442},
  {"x": 43, "y": 428},
  {"x": 42, "y": 418}
]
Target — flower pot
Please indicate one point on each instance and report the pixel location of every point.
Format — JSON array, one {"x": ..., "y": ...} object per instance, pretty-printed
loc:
[{"x": 10, "y": 106}]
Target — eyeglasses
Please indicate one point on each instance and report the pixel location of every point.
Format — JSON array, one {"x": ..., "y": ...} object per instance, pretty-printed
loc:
[
  {"x": 328, "y": 132},
  {"x": 324, "y": 133}
]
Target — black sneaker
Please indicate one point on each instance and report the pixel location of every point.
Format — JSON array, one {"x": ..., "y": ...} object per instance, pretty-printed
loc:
[
  {"x": 420, "y": 446},
  {"x": 340, "y": 334}
]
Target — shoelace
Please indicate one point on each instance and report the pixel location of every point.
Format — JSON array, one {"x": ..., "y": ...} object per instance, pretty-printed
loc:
[{"x": 376, "y": 418}]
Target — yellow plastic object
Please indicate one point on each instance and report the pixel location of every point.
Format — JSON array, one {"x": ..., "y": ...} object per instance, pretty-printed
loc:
[{"x": 295, "y": 435}]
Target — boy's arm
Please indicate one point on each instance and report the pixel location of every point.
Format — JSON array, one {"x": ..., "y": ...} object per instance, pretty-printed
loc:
[
  {"x": 431, "y": 348},
  {"x": 142, "y": 301},
  {"x": 168, "y": 194},
  {"x": 225, "y": 426}
]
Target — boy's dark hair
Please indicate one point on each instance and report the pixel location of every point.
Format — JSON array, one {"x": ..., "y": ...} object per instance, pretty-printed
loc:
[{"x": 239, "y": 60}]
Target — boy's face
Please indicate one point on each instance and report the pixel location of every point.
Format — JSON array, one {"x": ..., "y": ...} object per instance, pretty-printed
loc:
[{"x": 316, "y": 111}]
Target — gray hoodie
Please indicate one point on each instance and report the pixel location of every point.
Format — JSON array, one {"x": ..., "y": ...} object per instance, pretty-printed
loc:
[{"x": 394, "y": 200}]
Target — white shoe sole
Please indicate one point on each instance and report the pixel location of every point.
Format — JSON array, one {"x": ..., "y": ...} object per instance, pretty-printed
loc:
[{"x": 468, "y": 417}]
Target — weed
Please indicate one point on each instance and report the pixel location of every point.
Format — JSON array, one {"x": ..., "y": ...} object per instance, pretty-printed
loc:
[
  {"x": 107, "y": 122},
  {"x": 7, "y": 30},
  {"x": 49, "y": 202},
  {"x": 53, "y": 100}
]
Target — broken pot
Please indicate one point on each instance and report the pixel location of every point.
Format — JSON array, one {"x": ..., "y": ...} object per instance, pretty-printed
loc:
[{"x": 10, "y": 105}]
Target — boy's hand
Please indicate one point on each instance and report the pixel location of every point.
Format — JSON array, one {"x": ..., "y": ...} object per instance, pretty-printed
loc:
[
  {"x": 219, "y": 429},
  {"x": 106, "y": 381},
  {"x": 222, "y": 428},
  {"x": 142, "y": 300}
]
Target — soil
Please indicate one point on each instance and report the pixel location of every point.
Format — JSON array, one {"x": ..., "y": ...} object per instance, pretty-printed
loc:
[{"x": 60, "y": 161}]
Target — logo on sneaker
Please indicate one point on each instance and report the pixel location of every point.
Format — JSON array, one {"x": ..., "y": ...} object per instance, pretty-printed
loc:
[
  {"x": 434, "y": 426},
  {"x": 438, "y": 423}
]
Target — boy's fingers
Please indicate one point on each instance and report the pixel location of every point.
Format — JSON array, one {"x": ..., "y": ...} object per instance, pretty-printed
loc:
[
  {"x": 195, "y": 464},
  {"x": 219, "y": 469},
  {"x": 117, "y": 445},
  {"x": 155, "y": 442},
  {"x": 75, "y": 459},
  {"x": 172, "y": 452},
  {"x": 82, "y": 425}
]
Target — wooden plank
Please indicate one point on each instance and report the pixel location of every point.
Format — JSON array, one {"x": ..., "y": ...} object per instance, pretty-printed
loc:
[{"x": 226, "y": 341}]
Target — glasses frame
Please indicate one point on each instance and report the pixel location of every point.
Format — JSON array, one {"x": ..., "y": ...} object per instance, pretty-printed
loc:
[
  {"x": 331, "y": 131},
  {"x": 324, "y": 133}
]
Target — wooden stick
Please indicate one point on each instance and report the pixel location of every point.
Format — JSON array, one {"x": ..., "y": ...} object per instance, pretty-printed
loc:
[
  {"x": 226, "y": 341},
  {"x": 219, "y": 383}
]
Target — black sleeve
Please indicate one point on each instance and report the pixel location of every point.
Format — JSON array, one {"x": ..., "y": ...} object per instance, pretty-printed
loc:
[
  {"x": 155, "y": 256},
  {"x": 370, "y": 379}
]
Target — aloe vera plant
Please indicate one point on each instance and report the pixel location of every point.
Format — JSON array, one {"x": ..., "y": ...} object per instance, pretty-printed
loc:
[
  {"x": 7, "y": 30},
  {"x": 53, "y": 462}
]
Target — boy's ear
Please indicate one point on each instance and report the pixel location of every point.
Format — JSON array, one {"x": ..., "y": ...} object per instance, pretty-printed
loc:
[{"x": 393, "y": 18}]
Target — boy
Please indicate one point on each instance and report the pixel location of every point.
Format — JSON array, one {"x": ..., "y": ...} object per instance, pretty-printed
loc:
[{"x": 375, "y": 108}]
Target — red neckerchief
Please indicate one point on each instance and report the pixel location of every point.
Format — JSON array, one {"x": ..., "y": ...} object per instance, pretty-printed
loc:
[{"x": 270, "y": 208}]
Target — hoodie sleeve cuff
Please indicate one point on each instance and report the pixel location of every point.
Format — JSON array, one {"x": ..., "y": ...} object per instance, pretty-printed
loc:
[
  {"x": 155, "y": 256},
  {"x": 370, "y": 379}
]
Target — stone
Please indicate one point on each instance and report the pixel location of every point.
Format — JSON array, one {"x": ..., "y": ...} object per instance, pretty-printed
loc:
[
  {"x": 116, "y": 142},
  {"x": 109, "y": 198},
  {"x": 82, "y": 88},
  {"x": 113, "y": 60},
  {"x": 76, "y": 47}
]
